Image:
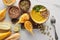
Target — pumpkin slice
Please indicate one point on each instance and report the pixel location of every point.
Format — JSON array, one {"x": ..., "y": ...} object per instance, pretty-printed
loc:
[
  {"x": 9, "y": 2},
  {"x": 2, "y": 14},
  {"x": 15, "y": 36},
  {"x": 5, "y": 26},
  {"x": 4, "y": 35},
  {"x": 23, "y": 18},
  {"x": 28, "y": 26}
]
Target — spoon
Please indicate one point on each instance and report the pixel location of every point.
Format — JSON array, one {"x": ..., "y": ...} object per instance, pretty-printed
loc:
[{"x": 53, "y": 21}]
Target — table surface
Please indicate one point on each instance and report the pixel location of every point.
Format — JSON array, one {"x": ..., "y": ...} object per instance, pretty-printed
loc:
[{"x": 53, "y": 6}]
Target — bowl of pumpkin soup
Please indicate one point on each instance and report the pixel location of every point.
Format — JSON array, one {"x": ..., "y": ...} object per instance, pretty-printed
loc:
[{"x": 39, "y": 14}]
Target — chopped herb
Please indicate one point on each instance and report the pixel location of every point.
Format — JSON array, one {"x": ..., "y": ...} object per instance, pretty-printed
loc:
[{"x": 38, "y": 7}]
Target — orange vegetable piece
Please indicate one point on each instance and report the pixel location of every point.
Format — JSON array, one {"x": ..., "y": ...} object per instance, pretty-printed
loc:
[{"x": 28, "y": 26}]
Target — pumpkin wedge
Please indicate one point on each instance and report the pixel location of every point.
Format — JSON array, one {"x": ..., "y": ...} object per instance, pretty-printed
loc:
[
  {"x": 28, "y": 26},
  {"x": 2, "y": 14},
  {"x": 15, "y": 36},
  {"x": 5, "y": 26},
  {"x": 4, "y": 35},
  {"x": 23, "y": 18}
]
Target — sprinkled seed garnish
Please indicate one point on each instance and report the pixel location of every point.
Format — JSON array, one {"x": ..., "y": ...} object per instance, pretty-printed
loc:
[
  {"x": 44, "y": 33},
  {"x": 45, "y": 30},
  {"x": 50, "y": 28},
  {"x": 52, "y": 38},
  {"x": 42, "y": 27},
  {"x": 49, "y": 39},
  {"x": 48, "y": 33}
]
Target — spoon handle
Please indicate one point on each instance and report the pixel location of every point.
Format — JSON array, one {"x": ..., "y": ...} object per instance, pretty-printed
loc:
[{"x": 56, "y": 36}]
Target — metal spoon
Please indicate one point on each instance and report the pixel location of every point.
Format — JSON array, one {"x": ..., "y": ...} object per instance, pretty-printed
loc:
[{"x": 53, "y": 21}]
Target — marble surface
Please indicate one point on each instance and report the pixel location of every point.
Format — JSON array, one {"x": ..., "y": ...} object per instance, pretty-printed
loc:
[{"x": 53, "y": 6}]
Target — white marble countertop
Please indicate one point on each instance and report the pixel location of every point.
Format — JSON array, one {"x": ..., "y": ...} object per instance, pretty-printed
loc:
[{"x": 53, "y": 6}]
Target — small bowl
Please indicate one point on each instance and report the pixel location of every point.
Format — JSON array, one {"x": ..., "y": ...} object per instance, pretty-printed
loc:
[
  {"x": 14, "y": 12},
  {"x": 6, "y": 2},
  {"x": 27, "y": 2},
  {"x": 41, "y": 22}
]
